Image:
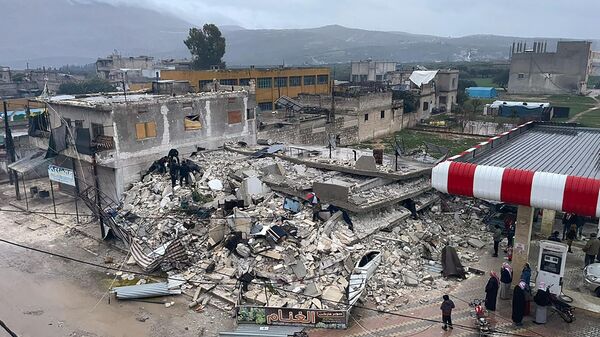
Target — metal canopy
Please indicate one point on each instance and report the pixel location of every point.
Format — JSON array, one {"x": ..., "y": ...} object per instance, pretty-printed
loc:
[
  {"x": 30, "y": 162},
  {"x": 544, "y": 165}
]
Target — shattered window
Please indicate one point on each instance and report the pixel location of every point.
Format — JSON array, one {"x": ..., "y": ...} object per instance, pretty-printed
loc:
[
  {"x": 192, "y": 122},
  {"x": 234, "y": 117}
]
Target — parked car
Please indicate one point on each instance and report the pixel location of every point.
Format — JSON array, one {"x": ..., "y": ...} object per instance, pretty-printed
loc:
[{"x": 591, "y": 275}]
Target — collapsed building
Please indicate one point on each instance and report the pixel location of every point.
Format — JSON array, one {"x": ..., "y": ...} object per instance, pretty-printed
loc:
[{"x": 248, "y": 233}]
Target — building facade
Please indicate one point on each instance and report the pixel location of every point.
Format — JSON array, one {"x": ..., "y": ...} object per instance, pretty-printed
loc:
[
  {"x": 369, "y": 70},
  {"x": 129, "y": 134},
  {"x": 446, "y": 89},
  {"x": 535, "y": 71},
  {"x": 111, "y": 68},
  {"x": 270, "y": 83}
]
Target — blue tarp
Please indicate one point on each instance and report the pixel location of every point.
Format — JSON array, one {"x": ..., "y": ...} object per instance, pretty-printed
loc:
[{"x": 481, "y": 92}]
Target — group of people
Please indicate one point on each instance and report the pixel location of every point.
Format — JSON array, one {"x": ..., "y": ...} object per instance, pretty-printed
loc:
[
  {"x": 177, "y": 169},
  {"x": 572, "y": 230},
  {"x": 502, "y": 284}
]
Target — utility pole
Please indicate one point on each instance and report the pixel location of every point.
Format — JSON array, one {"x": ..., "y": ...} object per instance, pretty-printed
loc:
[
  {"x": 97, "y": 193},
  {"x": 10, "y": 148}
]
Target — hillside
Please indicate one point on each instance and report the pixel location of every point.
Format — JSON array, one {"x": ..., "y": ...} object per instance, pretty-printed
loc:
[{"x": 79, "y": 32}]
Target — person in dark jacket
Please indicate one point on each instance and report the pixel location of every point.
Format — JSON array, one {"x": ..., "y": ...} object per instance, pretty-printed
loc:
[
  {"x": 579, "y": 222},
  {"x": 526, "y": 276},
  {"x": 174, "y": 155},
  {"x": 184, "y": 173},
  {"x": 446, "y": 308},
  {"x": 554, "y": 236},
  {"x": 571, "y": 236},
  {"x": 491, "y": 291},
  {"x": 497, "y": 238},
  {"x": 505, "y": 280},
  {"x": 173, "y": 171},
  {"x": 518, "y": 304},
  {"x": 591, "y": 249},
  {"x": 567, "y": 220}
]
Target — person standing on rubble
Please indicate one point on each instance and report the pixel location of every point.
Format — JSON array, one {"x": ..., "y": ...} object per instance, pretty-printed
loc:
[
  {"x": 497, "y": 238},
  {"x": 505, "y": 280},
  {"x": 446, "y": 308},
  {"x": 567, "y": 220},
  {"x": 173, "y": 171},
  {"x": 174, "y": 155},
  {"x": 491, "y": 291},
  {"x": 184, "y": 173}
]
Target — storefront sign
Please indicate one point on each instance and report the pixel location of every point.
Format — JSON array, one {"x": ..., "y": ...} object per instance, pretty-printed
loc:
[{"x": 61, "y": 175}]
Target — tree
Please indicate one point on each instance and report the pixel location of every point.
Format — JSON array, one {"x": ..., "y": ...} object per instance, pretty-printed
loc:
[
  {"x": 501, "y": 78},
  {"x": 410, "y": 99},
  {"x": 207, "y": 46},
  {"x": 90, "y": 86}
]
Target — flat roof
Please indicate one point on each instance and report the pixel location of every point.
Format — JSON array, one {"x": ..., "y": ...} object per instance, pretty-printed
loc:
[{"x": 568, "y": 150}]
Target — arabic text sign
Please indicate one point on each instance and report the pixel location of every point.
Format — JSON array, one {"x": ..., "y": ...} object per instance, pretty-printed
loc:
[
  {"x": 61, "y": 175},
  {"x": 331, "y": 319}
]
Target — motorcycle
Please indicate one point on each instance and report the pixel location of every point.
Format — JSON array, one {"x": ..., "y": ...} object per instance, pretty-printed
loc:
[
  {"x": 482, "y": 324},
  {"x": 564, "y": 309}
]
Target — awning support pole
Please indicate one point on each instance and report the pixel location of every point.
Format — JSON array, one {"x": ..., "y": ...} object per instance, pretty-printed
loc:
[
  {"x": 522, "y": 239},
  {"x": 53, "y": 201},
  {"x": 25, "y": 190}
]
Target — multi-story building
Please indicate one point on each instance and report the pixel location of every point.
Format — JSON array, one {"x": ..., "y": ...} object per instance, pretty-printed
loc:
[
  {"x": 536, "y": 71},
  {"x": 111, "y": 68},
  {"x": 123, "y": 135},
  {"x": 369, "y": 70},
  {"x": 270, "y": 83},
  {"x": 446, "y": 89}
]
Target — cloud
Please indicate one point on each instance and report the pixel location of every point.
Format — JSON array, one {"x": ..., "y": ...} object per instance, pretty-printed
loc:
[{"x": 531, "y": 18}]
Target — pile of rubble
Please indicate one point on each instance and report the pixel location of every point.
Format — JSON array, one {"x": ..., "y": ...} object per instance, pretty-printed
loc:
[{"x": 250, "y": 238}]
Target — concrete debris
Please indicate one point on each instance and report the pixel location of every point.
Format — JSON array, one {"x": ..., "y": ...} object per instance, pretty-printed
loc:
[
  {"x": 235, "y": 230},
  {"x": 366, "y": 163}
]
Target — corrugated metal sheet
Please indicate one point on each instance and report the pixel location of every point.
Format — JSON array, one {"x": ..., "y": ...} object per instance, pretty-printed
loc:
[
  {"x": 145, "y": 291},
  {"x": 564, "y": 150},
  {"x": 30, "y": 162},
  {"x": 251, "y": 330}
]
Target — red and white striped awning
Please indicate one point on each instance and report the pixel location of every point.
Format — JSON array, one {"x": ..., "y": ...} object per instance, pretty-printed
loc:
[{"x": 559, "y": 192}]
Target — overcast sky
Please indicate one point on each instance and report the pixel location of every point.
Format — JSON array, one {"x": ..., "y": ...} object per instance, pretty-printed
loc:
[{"x": 524, "y": 18}]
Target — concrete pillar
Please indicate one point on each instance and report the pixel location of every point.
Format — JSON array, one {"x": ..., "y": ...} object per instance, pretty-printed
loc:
[
  {"x": 522, "y": 237},
  {"x": 547, "y": 223}
]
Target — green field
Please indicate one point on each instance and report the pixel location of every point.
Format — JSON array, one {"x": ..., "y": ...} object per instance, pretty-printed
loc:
[
  {"x": 483, "y": 81},
  {"x": 591, "y": 119},
  {"x": 413, "y": 139}
]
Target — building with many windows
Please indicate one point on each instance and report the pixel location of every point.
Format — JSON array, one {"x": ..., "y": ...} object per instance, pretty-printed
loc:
[{"x": 270, "y": 83}]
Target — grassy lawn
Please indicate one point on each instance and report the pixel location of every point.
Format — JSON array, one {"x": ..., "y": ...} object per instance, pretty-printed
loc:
[
  {"x": 576, "y": 103},
  {"x": 413, "y": 139},
  {"x": 483, "y": 81},
  {"x": 591, "y": 119}
]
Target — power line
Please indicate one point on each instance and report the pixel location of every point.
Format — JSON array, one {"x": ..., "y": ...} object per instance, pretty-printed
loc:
[{"x": 470, "y": 328}]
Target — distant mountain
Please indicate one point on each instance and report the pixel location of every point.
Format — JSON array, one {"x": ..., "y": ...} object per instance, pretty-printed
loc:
[{"x": 58, "y": 32}]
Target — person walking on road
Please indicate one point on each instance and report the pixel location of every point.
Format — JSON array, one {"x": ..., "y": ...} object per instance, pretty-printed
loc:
[
  {"x": 567, "y": 220},
  {"x": 446, "y": 308},
  {"x": 591, "y": 249},
  {"x": 491, "y": 291}
]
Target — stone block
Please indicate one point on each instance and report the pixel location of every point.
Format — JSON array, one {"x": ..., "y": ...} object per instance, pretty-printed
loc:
[
  {"x": 366, "y": 163},
  {"x": 274, "y": 169},
  {"x": 332, "y": 190}
]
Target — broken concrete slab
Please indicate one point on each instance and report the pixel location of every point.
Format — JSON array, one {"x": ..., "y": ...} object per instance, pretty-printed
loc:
[
  {"x": 215, "y": 185},
  {"x": 476, "y": 243},
  {"x": 332, "y": 190},
  {"x": 275, "y": 169},
  {"x": 366, "y": 163},
  {"x": 332, "y": 294}
]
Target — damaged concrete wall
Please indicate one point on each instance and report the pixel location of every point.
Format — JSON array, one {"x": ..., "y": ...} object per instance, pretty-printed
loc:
[{"x": 315, "y": 131}]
